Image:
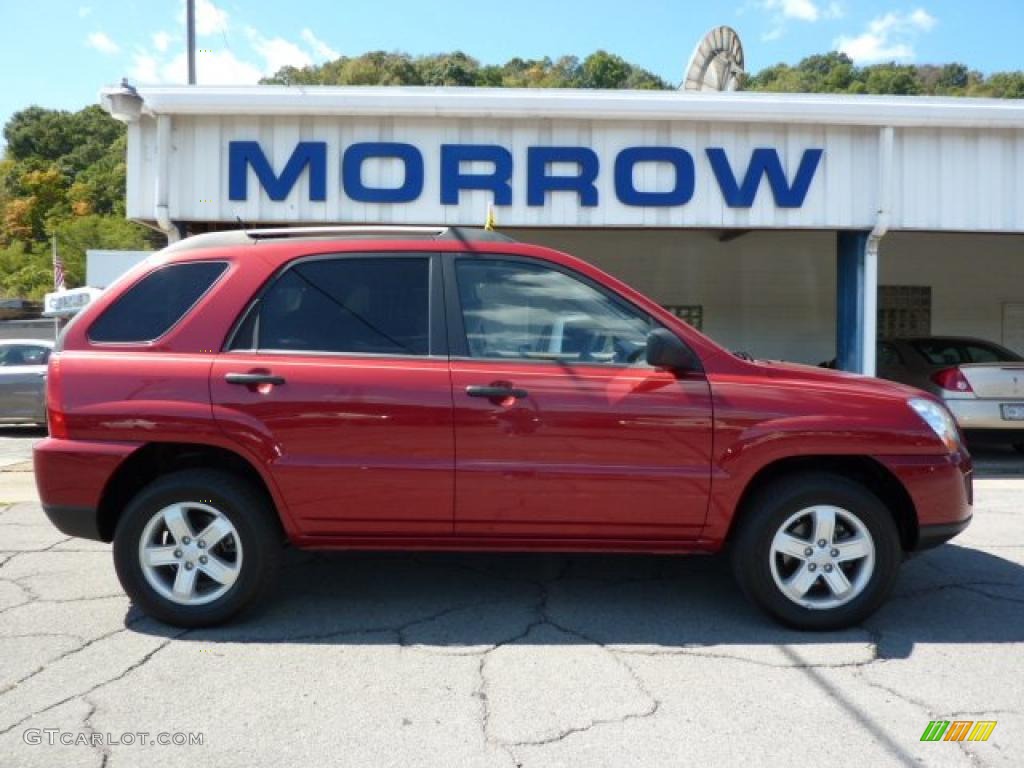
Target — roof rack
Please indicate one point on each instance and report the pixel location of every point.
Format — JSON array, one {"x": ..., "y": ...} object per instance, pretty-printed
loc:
[{"x": 232, "y": 237}]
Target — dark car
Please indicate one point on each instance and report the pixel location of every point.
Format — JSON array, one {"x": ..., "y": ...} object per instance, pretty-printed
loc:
[
  {"x": 432, "y": 388},
  {"x": 981, "y": 382}
]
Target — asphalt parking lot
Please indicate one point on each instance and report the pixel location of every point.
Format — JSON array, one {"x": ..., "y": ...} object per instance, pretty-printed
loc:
[{"x": 504, "y": 660}]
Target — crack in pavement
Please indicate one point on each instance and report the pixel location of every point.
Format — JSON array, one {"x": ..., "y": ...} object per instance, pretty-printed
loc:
[
  {"x": 542, "y": 618},
  {"x": 120, "y": 676},
  {"x": 11, "y": 686},
  {"x": 22, "y": 552},
  {"x": 930, "y": 713},
  {"x": 87, "y": 725}
]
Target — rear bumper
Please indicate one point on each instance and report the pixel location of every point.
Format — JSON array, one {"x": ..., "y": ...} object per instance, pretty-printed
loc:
[
  {"x": 81, "y": 522},
  {"x": 71, "y": 476},
  {"x": 983, "y": 414},
  {"x": 942, "y": 491}
]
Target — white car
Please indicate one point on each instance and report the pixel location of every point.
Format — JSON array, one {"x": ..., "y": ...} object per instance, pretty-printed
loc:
[
  {"x": 981, "y": 382},
  {"x": 22, "y": 380}
]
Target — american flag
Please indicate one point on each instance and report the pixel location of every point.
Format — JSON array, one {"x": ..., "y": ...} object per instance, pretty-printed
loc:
[{"x": 58, "y": 269}]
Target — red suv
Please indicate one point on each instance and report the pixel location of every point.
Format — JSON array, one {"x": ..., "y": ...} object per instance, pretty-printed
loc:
[{"x": 414, "y": 388}]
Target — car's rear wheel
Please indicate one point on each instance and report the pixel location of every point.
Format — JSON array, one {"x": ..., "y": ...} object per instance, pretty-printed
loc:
[
  {"x": 816, "y": 551},
  {"x": 196, "y": 547}
]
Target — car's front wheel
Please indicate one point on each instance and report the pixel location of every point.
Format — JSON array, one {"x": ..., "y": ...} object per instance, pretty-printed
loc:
[
  {"x": 816, "y": 551},
  {"x": 196, "y": 547}
]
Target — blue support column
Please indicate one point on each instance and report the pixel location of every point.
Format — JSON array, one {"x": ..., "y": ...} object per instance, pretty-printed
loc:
[{"x": 851, "y": 250}]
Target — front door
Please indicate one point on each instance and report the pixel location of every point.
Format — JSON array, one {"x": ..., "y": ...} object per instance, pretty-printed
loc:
[
  {"x": 561, "y": 428},
  {"x": 337, "y": 380}
]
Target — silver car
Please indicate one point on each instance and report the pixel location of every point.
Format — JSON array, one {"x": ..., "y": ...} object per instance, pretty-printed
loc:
[
  {"x": 981, "y": 382},
  {"x": 23, "y": 380}
]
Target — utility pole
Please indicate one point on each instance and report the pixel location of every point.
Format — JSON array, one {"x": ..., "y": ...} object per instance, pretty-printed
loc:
[{"x": 190, "y": 25}]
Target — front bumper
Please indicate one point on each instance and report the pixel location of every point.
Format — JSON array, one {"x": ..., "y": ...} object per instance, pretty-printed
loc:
[
  {"x": 929, "y": 536},
  {"x": 941, "y": 488}
]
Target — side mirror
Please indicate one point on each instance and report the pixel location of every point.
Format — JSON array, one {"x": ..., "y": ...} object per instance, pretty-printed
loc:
[{"x": 666, "y": 350}]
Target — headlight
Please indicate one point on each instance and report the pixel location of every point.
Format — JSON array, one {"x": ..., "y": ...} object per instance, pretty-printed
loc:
[{"x": 939, "y": 419}]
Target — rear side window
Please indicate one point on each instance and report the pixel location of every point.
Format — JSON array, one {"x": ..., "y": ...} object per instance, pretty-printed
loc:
[
  {"x": 149, "y": 309},
  {"x": 23, "y": 354},
  {"x": 954, "y": 352},
  {"x": 369, "y": 305}
]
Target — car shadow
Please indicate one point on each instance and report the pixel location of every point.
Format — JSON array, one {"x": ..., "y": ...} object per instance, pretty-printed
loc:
[
  {"x": 22, "y": 431},
  {"x": 952, "y": 594},
  {"x": 995, "y": 460}
]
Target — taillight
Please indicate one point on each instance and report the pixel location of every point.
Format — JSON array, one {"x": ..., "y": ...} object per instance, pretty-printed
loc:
[
  {"x": 56, "y": 420},
  {"x": 952, "y": 379}
]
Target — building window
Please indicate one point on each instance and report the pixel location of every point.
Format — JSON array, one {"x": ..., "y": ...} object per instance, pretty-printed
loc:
[
  {"x": 689, "y": 313},
  {"x": 904, "y": 310}
]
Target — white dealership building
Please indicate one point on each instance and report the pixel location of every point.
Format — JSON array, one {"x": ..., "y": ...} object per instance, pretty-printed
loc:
[{"x": 789, "y": 226}]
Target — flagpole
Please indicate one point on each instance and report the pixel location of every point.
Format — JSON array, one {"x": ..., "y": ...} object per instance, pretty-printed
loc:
[{"x": 56, "y": 319}]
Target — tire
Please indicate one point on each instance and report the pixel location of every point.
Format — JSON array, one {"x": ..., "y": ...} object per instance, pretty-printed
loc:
[
  {"x": 1018, "y": 447},
  {"x": 793, "y": 508},
  {"x": 244, "y": 552}
]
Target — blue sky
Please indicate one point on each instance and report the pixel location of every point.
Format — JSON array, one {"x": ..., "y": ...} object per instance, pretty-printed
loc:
[{"x": 58, "y": 53}]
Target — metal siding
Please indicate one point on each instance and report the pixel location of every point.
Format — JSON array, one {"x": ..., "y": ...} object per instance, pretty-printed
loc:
[
  {"x": 959, "y": 179},
  {"x": 945, "y": 178}
]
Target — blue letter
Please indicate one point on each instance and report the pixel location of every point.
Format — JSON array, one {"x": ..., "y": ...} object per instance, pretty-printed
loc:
[
  {"x": 680, "y": 159},
  {"x": 242, "y": 154},
  {"x": 453, "y": 179},
  {"x": 539, "y": 183},
  {"x": 764, "y": 161},
  {"x": 352, "y": 172}
]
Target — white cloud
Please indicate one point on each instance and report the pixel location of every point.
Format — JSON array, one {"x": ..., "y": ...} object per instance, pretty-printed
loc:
[
  {"x": 320, "y": 49},
  {"x": 159, "y": 63},
  {"x": 83, "y": 11},
  {"x": 216, "y": 68},
  {"x": 805, "y": 10},
  {"x": 145, "y": 69},
  {"x": 101, "y": 42},
  {"x": 277, "y": 52},
  {"x": 887, "y": 37},
  {"x": 162, "y": 41},
  {"x": 808, "y": 11},
  {"x": 210, "y": 19}
]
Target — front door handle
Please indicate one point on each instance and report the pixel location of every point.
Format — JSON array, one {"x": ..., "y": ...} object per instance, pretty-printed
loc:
[
  {"x": 496, "y": 392},
  {"x": 250, "y": 379}
]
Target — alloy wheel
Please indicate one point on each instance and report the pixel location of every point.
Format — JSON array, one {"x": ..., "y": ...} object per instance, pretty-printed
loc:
[
  {"x": 822, "y": 557},
  {"x": 190, "y": 553}
]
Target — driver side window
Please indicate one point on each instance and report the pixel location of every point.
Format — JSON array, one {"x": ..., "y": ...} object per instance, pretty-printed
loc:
[{"x": 514, "y": 310}]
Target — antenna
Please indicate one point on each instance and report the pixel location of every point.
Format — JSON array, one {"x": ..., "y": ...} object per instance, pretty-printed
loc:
[{"x": 716, "y": 63}]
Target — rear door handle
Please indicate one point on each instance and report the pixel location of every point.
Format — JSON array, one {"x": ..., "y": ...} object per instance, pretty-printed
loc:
[
  {"x": 250, "y": 379},
  {"x": 496, "y": 392}
]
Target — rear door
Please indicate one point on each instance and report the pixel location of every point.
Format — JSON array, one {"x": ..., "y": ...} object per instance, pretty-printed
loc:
[
  {"x": 339, "y": 378},
  {"x": 561, "y": 428}
]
